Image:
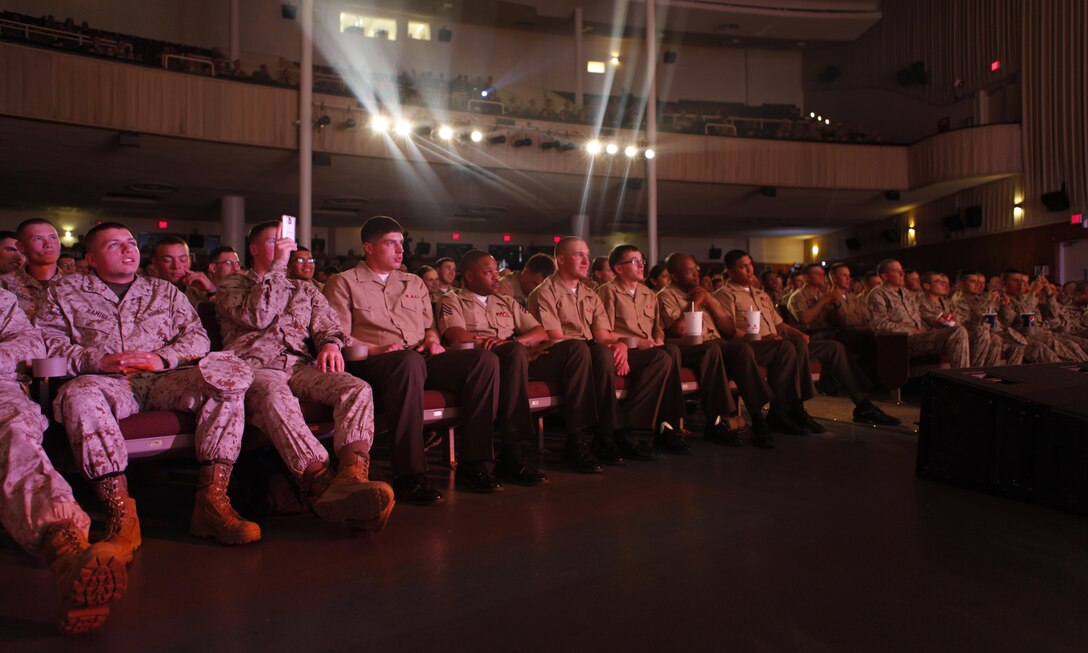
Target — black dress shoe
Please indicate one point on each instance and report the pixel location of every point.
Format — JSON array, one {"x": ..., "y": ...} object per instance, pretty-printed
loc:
[
  {"x": 576, "y": 456},
  {"x": 638, "y": 451},
  {"x": 782, "y": 424},
  {"x": 672, "y": 442},
  {"x": 415, "y": 489},
  {"x": 721, "y": 434},
  {"x": 605, "y": 450},
  {"x": 810, "y": 423},
  {"x": 867, "y": 413},
  {"x": 475, "y": 477},
  {"x": 518, "y": 471},
  {"x": 761, "y": 437}
]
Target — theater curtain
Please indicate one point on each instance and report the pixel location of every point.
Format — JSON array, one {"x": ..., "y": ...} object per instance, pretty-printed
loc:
[{"x": 1055, "y": 124}]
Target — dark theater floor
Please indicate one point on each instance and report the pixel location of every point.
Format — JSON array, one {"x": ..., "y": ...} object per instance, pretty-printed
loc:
[{"x": 826, "y": 544}]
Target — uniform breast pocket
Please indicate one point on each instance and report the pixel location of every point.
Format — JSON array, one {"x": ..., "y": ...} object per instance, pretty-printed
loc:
[{"x": 412, "y": 303}]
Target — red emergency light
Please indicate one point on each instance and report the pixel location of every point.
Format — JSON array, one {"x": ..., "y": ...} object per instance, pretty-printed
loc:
[
  {"x": 506, "y": 238},
  {"x": 1076, "y": 218},
  {"x": 163, "y": 224},
  {"x": 455, "y": 236},
  {"x": 556, "y": 239},
  {"x": 995, "y": 66}
]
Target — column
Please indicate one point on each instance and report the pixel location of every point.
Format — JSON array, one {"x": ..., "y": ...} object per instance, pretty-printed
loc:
[
  {"x": 306, "y": 124},
  {"x": 651, "y": 129},
  {"x": 579, "y": 61},
  {"x": 235, "y": 45},
  {"x": 232, "y": 222}
]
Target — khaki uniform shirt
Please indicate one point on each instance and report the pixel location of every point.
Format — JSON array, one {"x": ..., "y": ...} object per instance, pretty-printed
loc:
[
  {"x": 849, "y": 311},
  {"x": 501, "y": 317},
  {"x": 632, "y": 316},
  {"x": 19, "y": 342},
  {"x": 29, "y": 291},
  {"x": 82, "y": 320},
  {"x": 270, "y": 321},
  {"x": 804, "y": 299},
  {"x": 675, "y": 302},
  {"x": 557, "y": 308},
  {"x": 893, "y": 311},
  {"x": 737, "y": 299},
  {"x": 377, "y": 313},
  {"x": 931, "y": 309}
]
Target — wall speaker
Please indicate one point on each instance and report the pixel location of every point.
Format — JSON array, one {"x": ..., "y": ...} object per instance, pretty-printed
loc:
[
  {"x": 669, "y": 56},
  {"x": 132, "y": 139},
  {"x": 768, "y": 191},
  {"x": 196, "y": 241},
  {"x": 973, "y": 216},
  {"x": 853, "y": 244},
  {"x": 829, "y": 74},
  {"x": 953, "y": 222},
  {"x": 892, "y": 195},
  {"x": 322, "y": 159},
  {"x": 891, "y": 235},
  {"x": 714, "y": 254},
  {"x": 1056, "y": 201},
  {"x": 634, "y": 183},
  {"x": 445, "y": 35},
  {"x": 289, "y": 11}
]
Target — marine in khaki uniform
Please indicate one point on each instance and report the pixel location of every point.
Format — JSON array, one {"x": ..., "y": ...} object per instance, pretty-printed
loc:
[
  {"x": 727, "y": 358},
  {"x": 632, "y": 309},
  {"x": 1040, "y": 298},
  {"x": 737, "y": 297},
  {"x": 568, "y": 309},
  {"x": 390, "y": 312},
  {"x": 36, "y": 505},
  {"x": 537, "y": 268},
  {"x": 269, "y": 321},
  {"x": 171, "y": 261},
  {"x": 892, "y": 309},
  {"x": 39, "y": 243},
  {"x": 125, "y": 338},
  {"x": 478, "y": 315},
  {"x": 971, "y": 304}
]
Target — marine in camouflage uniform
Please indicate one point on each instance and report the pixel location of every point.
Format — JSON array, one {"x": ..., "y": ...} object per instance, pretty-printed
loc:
[
  {"x": 971, "y": 305},
  {"x": 28, "y": 291},
  {"x": 1047, "y": 329},
  {"x": 136, "y": 326},
  {"x": 269, "y": 321}
]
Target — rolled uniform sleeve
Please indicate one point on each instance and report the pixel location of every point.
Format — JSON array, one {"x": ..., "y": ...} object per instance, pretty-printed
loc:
[
  {"x": 338, "y": 293},
  {"x": 450, "y": 313},
  {"x": 543, "y": 306},
  {"x": 671, "y": 306},
  {"x": 524, "y": 322},
  {"x": 325, "y": 324}
]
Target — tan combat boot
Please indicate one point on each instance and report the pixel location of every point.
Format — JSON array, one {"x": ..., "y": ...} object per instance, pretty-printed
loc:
[
  {"x": 122, "y": 526},
  {"x": 350, "y": 497},
  {"x": 89, "y": 577},
  {"x": 213, "y": 516}
]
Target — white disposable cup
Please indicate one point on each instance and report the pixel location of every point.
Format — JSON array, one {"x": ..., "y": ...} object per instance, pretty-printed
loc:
[
  {"x": 631, "y": 342},
  {"x": 693, "y": 323},
  {"x": 356, "y": 352},
  {"x": 460, "y": 346},
  {"x": 751, "y": 322},
  {"x": 49, "y": 368}
]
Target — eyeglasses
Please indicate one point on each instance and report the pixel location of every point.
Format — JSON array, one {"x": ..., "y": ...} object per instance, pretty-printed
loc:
[
  {"x": 301, "y": 261},
  {"x": 637, "y": 262},
  {"x": 230, "y": 263}
]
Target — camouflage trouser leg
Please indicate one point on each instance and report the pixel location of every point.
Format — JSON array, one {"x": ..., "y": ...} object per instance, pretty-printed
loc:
[
  {"x": 220, "y": 411},
  {"x": 90, "y": 406},
  {"x": 952, "y": 342},
  {"x": 985, "y": 346},
  {"x": 1063, "y": 351},
  {"x": 1076, "y": 341},
  {"x": 351, "y": 398},
  {"x": 272, "y": 407},
  {"x": 33, "y": 496}
]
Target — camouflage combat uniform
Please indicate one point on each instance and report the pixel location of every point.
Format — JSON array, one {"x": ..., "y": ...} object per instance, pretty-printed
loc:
[
  {"x": 269, "y": 321},
  {"x": 894, "y": 310},
  {"x": 29, "y": 291},
  {"x": 988, "y": 342},
  {"x": 82, "y": 320},
  {"x": 33, "y": 496},
  {"x": 1047, "y": 317}
]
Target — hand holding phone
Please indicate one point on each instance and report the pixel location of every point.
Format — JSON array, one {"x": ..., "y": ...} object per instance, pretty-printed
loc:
[{"x": 288, "y": 227}]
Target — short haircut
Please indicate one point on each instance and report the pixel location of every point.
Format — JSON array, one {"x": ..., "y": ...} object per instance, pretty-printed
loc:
[
  {"x": 30, "y": 222},
  {"x": 810, "y": 267},
  {"x": 99, "y": 228},
  {"x": 4, "y": 235},
  {"x": 255, "y": 232},
  {"x": 869, "y": 274},
  {"x": 471, "y": 258},
  {"x": 564, "y": 243},
  {"x": 225, "y": 249},
  {"x": 673, "y": 261},
  {"x": 422, "y": 270},
  {"x": 1005, "y": 274},
  {"x": 446, "y": 259},
  {"x": 732, "y": 256},
  {"x": 598, "y": 264},
  {"x": 928, "y": 277},
  {"x": 377, "y": 227},
  {"x": 301, "y": 249},
  {"x": 168, "y": 240},
  {"x": 835, "y": 266},
  {"x": 963, "y": 274},
  {"x": 796, "y": 273},
  {"x": 617, "y": 253},
  {"x": 540, "y": 263},
  {"x": 883, "y": 266},
  {"x": 909, "y": 271},
  {"x": 655, "y": 272},
  {"x": 766, "y": 275},
  {"x": 66, "y": 255}
]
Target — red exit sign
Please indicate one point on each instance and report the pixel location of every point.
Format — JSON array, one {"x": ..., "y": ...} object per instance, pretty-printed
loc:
[{"x": 995, "y": 66}]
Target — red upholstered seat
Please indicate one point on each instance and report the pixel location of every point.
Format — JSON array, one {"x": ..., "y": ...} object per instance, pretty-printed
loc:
[
  {"x": 687, "y": 375},
  {"x": 538, "y": 389},
  {"x": 434, "y": 399},
  {"x": 157, "y": 423}
]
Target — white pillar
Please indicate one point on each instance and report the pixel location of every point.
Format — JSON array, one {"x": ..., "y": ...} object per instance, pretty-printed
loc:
[
  {"x": 232, "y": 222},
  {"x": 306, "y": 124},
  {"x": 651, "y": 128},
  {"x": 579, "y": 61},
  {"x": 579, "y": 226},
  {"x": 235, "y": 46}
]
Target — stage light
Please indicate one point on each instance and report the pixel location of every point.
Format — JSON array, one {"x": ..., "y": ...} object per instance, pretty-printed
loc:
[
  {"x": 322, "y": 121},
  {"x": 631, "y": 151},
  {"x": 593, "y": 147},
  {"x": 379, "y": 123},
  {"x": 476, "y": 136},
  {"x": 348, "y": 123},
  {"x": 827, "y": 121},
  {"x": 815, "y": 251},
  {"x": 488, "y": 92},
  {"x": 819, "y": 118},
  {"x": 402, "y": 128},
  {"x": 611, "y": 148},
  {"x": 445, "y": 132},
  {"x": 649, "y": 153},
  {"x": 811, "y": 114},
  {"x": 523, "y": 142},
  {"x": 497, "y": 140}
]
